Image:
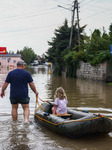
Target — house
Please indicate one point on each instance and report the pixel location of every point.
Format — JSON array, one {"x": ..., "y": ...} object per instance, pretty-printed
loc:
[{"x": 9, "y": 60}]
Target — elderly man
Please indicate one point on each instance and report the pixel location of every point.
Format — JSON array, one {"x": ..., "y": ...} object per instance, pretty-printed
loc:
[{"x": 19, "y": 80}]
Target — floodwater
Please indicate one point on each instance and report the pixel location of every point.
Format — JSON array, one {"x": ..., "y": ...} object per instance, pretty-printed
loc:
[{"x": 82, "y": 95}]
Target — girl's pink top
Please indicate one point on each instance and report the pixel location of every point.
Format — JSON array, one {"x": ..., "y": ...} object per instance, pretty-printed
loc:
[{"x": 61, "y": 105}]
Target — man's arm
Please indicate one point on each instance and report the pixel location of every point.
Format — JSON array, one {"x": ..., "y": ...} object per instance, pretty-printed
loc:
[
  {"x": 3, "y": 89},
  {"x": 32, "y": 86}
]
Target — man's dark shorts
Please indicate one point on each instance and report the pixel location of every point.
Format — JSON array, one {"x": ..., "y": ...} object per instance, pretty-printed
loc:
[{"x": 20, "y": 100}]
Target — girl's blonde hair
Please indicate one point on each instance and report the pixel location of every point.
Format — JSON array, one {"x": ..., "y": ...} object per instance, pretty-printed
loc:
[{"x": 60, "y": 93}]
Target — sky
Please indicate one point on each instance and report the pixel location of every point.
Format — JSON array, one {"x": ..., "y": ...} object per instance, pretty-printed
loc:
[{"x": 32, "y": 23}]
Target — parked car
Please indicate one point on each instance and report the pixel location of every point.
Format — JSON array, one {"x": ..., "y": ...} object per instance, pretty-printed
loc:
[{"x": 35, "y": 63}]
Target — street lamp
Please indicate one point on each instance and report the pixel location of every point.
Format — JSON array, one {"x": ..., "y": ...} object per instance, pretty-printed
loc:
[{"x": 64, "y": 7}]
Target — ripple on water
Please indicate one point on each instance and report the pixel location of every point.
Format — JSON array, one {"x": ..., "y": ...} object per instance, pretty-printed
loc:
[{"x": 17, "y": 136}]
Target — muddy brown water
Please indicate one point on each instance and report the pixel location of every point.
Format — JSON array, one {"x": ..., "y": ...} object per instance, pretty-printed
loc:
[{"x": 82, "y": 95}]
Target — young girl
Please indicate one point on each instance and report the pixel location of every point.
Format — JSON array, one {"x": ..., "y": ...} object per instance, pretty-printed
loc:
[{"x": 60, "y": 102}]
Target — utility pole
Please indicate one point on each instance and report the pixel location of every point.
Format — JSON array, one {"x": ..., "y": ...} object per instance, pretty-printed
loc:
[
  {"x": 72, "y": 23},
  {"x": 75, "y": 7},
  {"x": 78, "y": 23}
]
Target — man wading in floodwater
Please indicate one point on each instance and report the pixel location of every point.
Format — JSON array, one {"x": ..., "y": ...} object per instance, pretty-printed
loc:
[{"x": 19, "y": 80}]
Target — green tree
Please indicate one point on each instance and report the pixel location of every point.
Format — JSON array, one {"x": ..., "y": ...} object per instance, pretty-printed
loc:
[
  {"x": 95, "y": 48},
  {"x": 98, "y": 42},
  {"x": 43, "y": 59},
  {"x": 59, "y": 46},
  {"x": 10, "y": 52},
  {"x": 110, "y": 33},
  {"x": 27, "y": 54}
]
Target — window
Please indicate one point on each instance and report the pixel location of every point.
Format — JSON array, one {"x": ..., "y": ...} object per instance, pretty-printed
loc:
[
  {"x": 3, "y": 58},
  {"x": 8, "y": 59},
  {"x": 14, "y": 61}
]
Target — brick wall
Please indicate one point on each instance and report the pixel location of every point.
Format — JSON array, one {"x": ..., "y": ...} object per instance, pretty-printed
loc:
[{"x": 101, "y": 72}]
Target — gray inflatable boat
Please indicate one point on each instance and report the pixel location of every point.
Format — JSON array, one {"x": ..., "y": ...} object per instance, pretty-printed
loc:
[{"x": 74, "y": 124}]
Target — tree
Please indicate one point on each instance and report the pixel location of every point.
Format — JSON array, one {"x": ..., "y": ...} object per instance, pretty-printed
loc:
[
  {"x": 110, "y": 33},
  {"x": 95, "y": 49},
  {"x": 98, "y": 42},
  {"x": 43, "y": 59},
  {"x": 59, "y": 46},
  {"x": 27, "y": 54},
  {"x": 10, "y": 52}
]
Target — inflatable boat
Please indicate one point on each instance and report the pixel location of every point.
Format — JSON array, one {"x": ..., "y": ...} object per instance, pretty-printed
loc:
[{"x": 73, "y": 124}]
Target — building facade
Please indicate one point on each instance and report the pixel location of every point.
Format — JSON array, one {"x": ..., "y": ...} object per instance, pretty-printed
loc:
[{"x": 9, "y": 61}]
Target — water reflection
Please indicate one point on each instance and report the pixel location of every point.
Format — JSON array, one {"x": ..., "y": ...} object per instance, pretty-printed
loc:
[
  {"x": 19, "y": 136},
  {"x": 82, "y": 92},
  {"x": 41, "y": 69},
  {"x": 82, "y": 95}
]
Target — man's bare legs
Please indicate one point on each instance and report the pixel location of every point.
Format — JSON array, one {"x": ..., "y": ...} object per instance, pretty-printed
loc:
[
  {"x": 14, "y": 112},
  {"x": 26, "y": 112}
]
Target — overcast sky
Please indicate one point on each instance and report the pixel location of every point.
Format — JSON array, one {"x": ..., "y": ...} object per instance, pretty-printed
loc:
[{"x": 32, "y": 22}]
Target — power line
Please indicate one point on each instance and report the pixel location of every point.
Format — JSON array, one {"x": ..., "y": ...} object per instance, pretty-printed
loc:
[
  {"x": 27, "y": 16},
  {"x": 53, "y": 8},
  {"x": 29, "y": 29},
  {"x": 87, "y": 2},
  {"x": 64, "y": 2},
  {"x": 32, "y": 14},
  {"x": 82, "y": 1},
  {"x": 97, "y": 13}
]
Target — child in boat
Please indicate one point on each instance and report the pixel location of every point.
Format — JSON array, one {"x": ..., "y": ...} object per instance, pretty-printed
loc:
[{"x": 60, "y": 102}]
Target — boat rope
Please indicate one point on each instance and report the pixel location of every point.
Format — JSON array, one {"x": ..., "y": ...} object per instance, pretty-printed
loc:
[
  {"x": 108, "y": 118},
  {"x": 65, "y": 121},
  {"x": 43, "y": 100},
  {"x": 39, "y": 105},
  {"x": 42, "y": 119}
]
